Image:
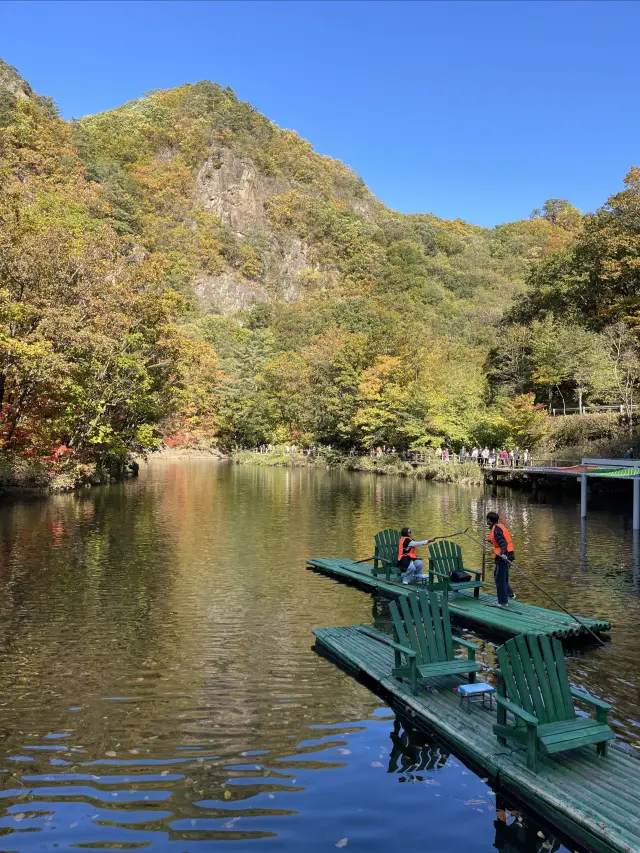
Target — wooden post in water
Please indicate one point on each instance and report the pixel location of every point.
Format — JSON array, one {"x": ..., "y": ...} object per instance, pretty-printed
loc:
[
  {"x": 583, "y": 496},
  {"x": 636, "y": 503}
]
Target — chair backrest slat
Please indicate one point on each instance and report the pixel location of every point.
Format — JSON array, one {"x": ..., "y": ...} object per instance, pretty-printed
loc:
[
  {"x": 446, "y": 628},
  {"x": 410, "y": 626},
  {"x": 554, "y": 680},
  {"x": 427, "y": 622},
  {"x": 507, "y": 670},
  {"x": 455, "y": 554},
  {"x": 398, "y": 626},
  {"x": 563, "y": 678},
  {"x": 417, "y": 617},
  {"x": 536, "y": 677},
  {"x": 518, "y": 674},
  {"x": 531, "y": 679},
  {"x": 436, "y": 621},
  {"x": 541, "y": 674}
]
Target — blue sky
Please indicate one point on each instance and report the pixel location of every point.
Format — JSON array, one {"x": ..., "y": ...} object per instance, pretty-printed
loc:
[{"x": 480, "y": 110}]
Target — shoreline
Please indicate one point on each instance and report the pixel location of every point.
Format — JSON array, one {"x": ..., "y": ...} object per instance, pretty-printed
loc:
[{"x": 467, "y": 473}]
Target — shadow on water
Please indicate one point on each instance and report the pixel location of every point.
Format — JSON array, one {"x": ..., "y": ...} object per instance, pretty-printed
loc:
[{"x": 158, "y": 688}]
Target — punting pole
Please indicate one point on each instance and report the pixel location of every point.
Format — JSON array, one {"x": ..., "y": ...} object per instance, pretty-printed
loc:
[
  {"x": 433, "y": 539},
  {"x": 526, "y": 577}
]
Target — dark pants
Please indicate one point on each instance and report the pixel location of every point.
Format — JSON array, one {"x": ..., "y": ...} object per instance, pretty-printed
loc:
[{"x": 501, "y": 575}]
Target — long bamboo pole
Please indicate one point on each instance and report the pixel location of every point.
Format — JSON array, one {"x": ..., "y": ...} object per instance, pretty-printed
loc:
[{"x": 526, "y": 577}]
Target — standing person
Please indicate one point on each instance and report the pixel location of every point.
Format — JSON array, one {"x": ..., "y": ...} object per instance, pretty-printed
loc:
[
  {"x": 408, "y": 558},
  {"x": 438, "y": 452},
  {"x": 474, "y": 454},
  {"x": 504, "y": 553},
  {"x": 516, "y": 457},
  {"x": 445, "y": 456},
  {"x": 485, "y": 456},
  {"x": 463, "y": 454},
  {"x": 525, "y": 457},
  {"x": 628, "y": 454}
]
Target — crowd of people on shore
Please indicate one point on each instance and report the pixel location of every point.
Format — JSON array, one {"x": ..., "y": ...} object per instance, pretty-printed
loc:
[
  {"x": 514, "y": 458},
  {"x": 485, "y": 457}
]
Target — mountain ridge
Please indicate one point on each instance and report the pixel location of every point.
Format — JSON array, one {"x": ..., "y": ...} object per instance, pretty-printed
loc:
[{"x": 294, "y": 303}]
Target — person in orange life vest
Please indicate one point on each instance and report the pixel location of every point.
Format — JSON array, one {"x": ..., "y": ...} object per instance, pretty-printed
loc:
[
  {"x": 408, "y": 558},
  {"x": 504, "y": 552}
]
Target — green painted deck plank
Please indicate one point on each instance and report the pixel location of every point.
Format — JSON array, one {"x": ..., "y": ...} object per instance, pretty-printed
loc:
[
  {"x": 591, "y": 798},
  {"x": 519, "y": 618}
]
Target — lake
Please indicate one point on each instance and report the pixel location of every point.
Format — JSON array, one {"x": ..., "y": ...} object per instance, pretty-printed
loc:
[{"x": 159, "y": 687}]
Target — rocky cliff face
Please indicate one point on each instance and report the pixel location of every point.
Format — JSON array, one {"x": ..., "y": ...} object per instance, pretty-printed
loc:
[
  {"x": 12, "y": 82},
  {"x": 237, "y": 192}
]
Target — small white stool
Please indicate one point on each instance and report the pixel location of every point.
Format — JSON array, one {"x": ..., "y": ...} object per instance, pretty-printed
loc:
[{"x": 469, "y": 691}]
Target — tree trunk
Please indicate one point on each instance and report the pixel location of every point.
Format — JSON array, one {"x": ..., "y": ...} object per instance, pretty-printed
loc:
[{"x": 564, "y": 402}]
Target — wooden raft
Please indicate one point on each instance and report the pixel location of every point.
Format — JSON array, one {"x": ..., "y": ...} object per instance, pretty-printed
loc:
[
  {"x": 480, "y": 611},
  {"x": 589, "y": 797}
]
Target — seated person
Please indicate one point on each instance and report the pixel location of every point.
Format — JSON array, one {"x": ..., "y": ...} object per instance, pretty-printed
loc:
[{"x": 407, "y": 556}]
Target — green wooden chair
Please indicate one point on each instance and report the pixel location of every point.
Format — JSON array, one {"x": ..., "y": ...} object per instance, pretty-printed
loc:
[
  {"x": 422, "y": 629},
  {"x": 533, "y": 685},
  {"x": 385, "y": 559},
  {"x": 446, "y": 557}
]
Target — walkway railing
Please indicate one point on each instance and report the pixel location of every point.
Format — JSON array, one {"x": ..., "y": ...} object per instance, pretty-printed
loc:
[{"x": 617, "y": 407}]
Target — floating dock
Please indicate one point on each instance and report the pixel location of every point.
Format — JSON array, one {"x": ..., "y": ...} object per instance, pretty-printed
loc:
[
  {"x": 591, "y": 799},
  {"x": 481, "y": 613}
]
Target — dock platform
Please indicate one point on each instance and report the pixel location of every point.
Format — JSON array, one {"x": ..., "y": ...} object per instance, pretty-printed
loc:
[
  {"x": 591, "y": 799},
  {"x": 481, "y": 613}
]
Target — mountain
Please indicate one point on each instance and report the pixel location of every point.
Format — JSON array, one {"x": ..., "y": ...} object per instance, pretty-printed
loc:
[{"x": 243, "y": 211}]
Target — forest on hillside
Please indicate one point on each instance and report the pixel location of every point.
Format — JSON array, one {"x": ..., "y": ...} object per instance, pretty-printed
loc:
[{"x": 142, "y": 297}]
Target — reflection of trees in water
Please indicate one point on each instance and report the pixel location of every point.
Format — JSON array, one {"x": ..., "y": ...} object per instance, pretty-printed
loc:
[
  {"x": 414, "y": 751},
  {"x": 515, "y": 833}
]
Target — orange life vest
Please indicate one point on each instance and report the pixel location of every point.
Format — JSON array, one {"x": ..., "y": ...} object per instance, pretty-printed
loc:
[
  {"x": 406, "y": 551},
  {"x": 496, "y": 548}
]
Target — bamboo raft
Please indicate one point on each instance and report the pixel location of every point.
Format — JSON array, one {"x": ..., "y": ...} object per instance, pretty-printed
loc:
[
  {"x": 481, "y": 613},
  {"x": 592, "y": 799}
]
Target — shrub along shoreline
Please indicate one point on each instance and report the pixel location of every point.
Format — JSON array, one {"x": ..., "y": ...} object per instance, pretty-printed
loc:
[
  {"x": 21, "y": 475},
  {"x": 390, "y": 464}
]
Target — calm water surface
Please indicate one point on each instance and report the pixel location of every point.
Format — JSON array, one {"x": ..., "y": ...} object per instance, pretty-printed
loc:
[{"x": 158, "y": 686}]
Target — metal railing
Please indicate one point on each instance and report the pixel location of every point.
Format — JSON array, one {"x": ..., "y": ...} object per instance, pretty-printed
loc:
[{"x": 622, "y": 409}]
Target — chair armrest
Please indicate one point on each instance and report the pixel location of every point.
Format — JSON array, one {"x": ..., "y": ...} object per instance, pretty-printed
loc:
[
  {"x": 386, "y": 641},
  {"x": 473, "y": 572},
  {"x": 528, "y": 718},
  {"x": 460, "y": 642},
  {"x": 440, "y": 574},
  {"x": 590, "y": 700}
]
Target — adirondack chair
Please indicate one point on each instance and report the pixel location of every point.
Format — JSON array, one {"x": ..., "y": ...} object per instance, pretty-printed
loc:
[
  {"x": 385, "y": 560},
  {"x": 445, "y": 557},
  {"x": 533, "y": 685},
  {"x": 422, "y": 629}
]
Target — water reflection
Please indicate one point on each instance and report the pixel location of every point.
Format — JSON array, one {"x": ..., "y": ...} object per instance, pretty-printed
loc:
[
  {"x": 157, "y": 685},
  {"x": 413, "y": 751}
]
